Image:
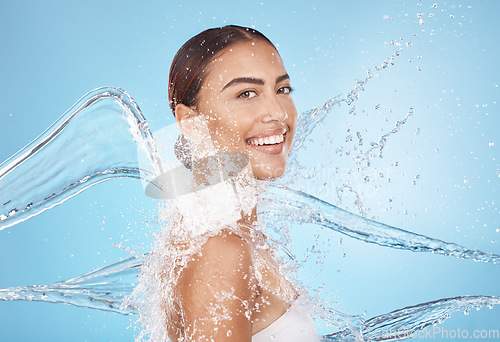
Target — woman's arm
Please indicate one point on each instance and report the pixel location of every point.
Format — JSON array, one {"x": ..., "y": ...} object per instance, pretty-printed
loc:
[{"x": 218, "y": 291}]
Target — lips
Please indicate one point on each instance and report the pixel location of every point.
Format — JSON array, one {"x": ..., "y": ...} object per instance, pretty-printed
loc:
[{"x": 269, "y": 142}]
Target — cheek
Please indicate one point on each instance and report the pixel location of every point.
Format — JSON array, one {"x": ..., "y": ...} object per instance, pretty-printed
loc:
[
  {"x": 292, "y": 111},
  {"x": 292, "y": 121},
  {"x": 226, "y": 131}
]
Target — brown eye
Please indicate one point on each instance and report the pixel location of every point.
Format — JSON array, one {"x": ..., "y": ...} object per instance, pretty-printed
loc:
[
  {"x": 247, "y": 94},
  {"x": 284, "y": 90}
]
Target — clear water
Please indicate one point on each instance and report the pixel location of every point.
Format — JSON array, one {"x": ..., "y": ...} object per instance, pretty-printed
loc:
[
  {"x": 73, "y": 169},
  {"x": 433, "y": 123}
]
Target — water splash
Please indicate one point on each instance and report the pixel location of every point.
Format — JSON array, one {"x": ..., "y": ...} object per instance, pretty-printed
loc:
[
  {"x": 103, "y": 289},
  {"x": 380, "y": 144},
  {"x": 406, "y": 322},
  {"x": 72, "y": 155},
  {"x": 283, "y": 203},
  {"x": 312, "y": 118},
  {"x": 356, "y": 149}
]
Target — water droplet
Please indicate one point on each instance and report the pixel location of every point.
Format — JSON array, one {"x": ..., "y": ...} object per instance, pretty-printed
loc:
[
  {"x": 229, "y": 333},
  {"x": 491, "y": 144}
]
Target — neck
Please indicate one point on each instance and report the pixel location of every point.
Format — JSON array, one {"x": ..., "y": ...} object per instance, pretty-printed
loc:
[
  {"x": 248, "y": 221},
  {"x": 253, "y": 216}
]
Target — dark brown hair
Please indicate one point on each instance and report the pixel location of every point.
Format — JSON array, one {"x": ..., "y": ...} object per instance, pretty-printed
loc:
[{"x": 190, "y": 62}]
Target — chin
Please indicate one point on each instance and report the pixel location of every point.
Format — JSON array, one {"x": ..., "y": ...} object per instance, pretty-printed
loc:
[{"x": 268, "y": 172}]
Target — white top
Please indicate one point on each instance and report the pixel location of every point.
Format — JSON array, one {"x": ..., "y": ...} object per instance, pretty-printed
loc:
[{"x": 295, "y": 325}]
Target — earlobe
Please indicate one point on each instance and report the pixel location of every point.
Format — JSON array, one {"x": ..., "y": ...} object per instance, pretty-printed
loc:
[{"x": 183, "y": 112}]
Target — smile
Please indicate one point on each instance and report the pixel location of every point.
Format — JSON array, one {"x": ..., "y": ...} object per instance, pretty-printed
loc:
[{"x": 271, "y": 140}]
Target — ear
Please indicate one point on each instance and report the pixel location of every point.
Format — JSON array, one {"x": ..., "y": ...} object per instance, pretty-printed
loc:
[
  {"x": 183, "y": 112},
  {"x": 186, "y": 118}
]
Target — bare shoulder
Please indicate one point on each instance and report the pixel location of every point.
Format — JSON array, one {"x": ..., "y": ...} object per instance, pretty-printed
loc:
[
  {"x": 228, "y": 245},
  {"x": 225, "y": 254},
  {"x": 217, "y": 290}
]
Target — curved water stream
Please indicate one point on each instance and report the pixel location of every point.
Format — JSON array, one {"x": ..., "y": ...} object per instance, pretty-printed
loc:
[{"x": 72, "y": 155}]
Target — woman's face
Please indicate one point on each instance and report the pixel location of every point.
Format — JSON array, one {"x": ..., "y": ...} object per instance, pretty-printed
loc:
[{"x": 246, "y": 97}]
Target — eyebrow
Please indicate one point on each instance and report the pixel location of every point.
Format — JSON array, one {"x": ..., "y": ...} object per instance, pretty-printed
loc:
[{"x": 252, "y": 80}]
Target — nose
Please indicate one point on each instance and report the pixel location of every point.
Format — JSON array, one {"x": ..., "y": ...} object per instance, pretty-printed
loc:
[{"x": 274, "y": 110}]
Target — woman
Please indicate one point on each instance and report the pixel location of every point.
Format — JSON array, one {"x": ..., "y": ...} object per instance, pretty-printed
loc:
[{"x": 216, "y": 279}]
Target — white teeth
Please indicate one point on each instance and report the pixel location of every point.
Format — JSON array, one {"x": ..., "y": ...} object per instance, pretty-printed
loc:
[{"x": 275, "y": 139}]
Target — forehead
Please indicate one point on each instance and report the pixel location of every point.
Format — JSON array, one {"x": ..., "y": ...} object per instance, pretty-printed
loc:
[{"x": 254, "y": 58}]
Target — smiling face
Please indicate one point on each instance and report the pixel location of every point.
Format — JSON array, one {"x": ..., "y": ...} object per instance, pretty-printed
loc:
[{"x": 246, "y": 98}]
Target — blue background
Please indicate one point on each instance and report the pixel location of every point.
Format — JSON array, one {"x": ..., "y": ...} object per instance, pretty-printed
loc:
[{"x": 53, "y": 52}]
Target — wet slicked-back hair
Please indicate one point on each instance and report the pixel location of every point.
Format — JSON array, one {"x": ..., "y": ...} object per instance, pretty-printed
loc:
[{"x": 190, "y": 63}]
